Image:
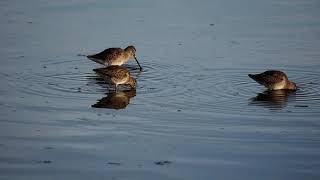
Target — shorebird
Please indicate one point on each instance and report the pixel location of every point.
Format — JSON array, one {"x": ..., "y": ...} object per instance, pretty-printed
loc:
[
  {"x": 116, "y": 75},
  {"x": 115, "y": 56},
  {"x": 274, "y": 80}
]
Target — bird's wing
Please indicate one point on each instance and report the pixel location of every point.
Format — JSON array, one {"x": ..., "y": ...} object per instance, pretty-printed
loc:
[
  {"x": 270, "y": 77},
  {"x": 121, "y": 74},
  {"x": 116, "y": 72},
  {"x": 108, "y": 54}
]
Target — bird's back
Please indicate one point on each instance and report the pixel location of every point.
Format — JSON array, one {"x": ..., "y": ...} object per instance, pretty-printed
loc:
[
  {"x": 110, "y": 54},
  {"x": 269, "y": 77},
  {"x": 117, "y": 74}
]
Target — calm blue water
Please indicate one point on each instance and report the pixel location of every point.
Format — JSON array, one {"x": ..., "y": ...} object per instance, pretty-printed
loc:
[{"x": 194, "y": 107}]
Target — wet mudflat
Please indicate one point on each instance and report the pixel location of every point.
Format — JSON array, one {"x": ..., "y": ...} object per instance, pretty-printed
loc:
[{"x": 195, "y": 113}]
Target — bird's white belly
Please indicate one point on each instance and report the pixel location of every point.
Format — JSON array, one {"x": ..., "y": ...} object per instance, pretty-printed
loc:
[
  {"x": 122, "y": 81},
  {"x": 117, "y": 62},
  {"x": 278, "y": 86}
]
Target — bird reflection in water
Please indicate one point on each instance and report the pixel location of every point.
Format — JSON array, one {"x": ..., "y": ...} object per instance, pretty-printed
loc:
[
  {"x": 116, "y": 100},
  {"x": 273, "y": 99}
]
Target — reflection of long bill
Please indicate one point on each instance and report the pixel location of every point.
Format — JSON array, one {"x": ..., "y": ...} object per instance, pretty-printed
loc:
[{"x": 137, "y": 62}]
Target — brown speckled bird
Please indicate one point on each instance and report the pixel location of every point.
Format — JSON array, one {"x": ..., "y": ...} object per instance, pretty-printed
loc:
[
  {"x": 116, "y": 75},
  {"x": 115, "y": 56},
  {"x": 274, "y": 80}
]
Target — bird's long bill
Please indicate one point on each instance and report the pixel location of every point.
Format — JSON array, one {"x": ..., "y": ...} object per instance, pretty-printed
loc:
[{"x": 137, "y": 62}]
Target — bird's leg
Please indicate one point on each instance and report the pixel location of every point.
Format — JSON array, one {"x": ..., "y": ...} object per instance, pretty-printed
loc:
[{"x": 115, "y": 87}]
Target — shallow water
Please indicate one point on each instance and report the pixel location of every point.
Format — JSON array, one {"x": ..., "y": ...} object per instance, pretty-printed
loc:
[{"x": 195, "y": 114}]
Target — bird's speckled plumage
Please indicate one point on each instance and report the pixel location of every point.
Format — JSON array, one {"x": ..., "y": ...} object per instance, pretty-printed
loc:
[
  {"x": 115, "y": 56},
  {"x": 116, "y": 75},
  {"x": 273, "y": 80}
]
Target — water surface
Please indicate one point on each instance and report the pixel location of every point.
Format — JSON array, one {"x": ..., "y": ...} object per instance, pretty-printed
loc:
[{"x": 195, "y": 113}]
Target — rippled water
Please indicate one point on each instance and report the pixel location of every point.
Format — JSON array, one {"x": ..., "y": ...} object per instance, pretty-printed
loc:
[{"x": 195, "y": 113}]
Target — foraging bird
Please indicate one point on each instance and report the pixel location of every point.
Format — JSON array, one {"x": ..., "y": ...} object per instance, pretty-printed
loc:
[
  {"x": 117, "y": 75},
  {"x": 274, "y": 80},
  {"x": 115, "y": 56}
]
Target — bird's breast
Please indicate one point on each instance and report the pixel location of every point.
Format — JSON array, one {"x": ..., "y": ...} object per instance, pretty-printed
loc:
[{"x": 280, "y": 85}]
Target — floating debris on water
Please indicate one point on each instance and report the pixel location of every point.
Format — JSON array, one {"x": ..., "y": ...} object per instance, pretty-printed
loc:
[
  {"x": 44, "y": 162},
  {"x": 301, "y": 106},
  {"x": 161, "y": 163},
  {"x": 48, "y": 147},
  {"x": 114, "y": 163}
]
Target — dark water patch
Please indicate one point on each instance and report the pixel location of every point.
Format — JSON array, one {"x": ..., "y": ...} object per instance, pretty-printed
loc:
[
  {"x": 48, "y": 148},
  {"x": 21, "y": 161},
  {"x": 114, "y": 163},
  {"x": 301, "y": 106},
  {"x": 161, "y": 163},
  {"x": 44, "y": 162}
]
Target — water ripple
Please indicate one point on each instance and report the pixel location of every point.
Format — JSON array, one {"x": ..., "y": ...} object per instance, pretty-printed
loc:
[
  {"x": 178, "y": 87},
  {"x": 229, "y": 91}
]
